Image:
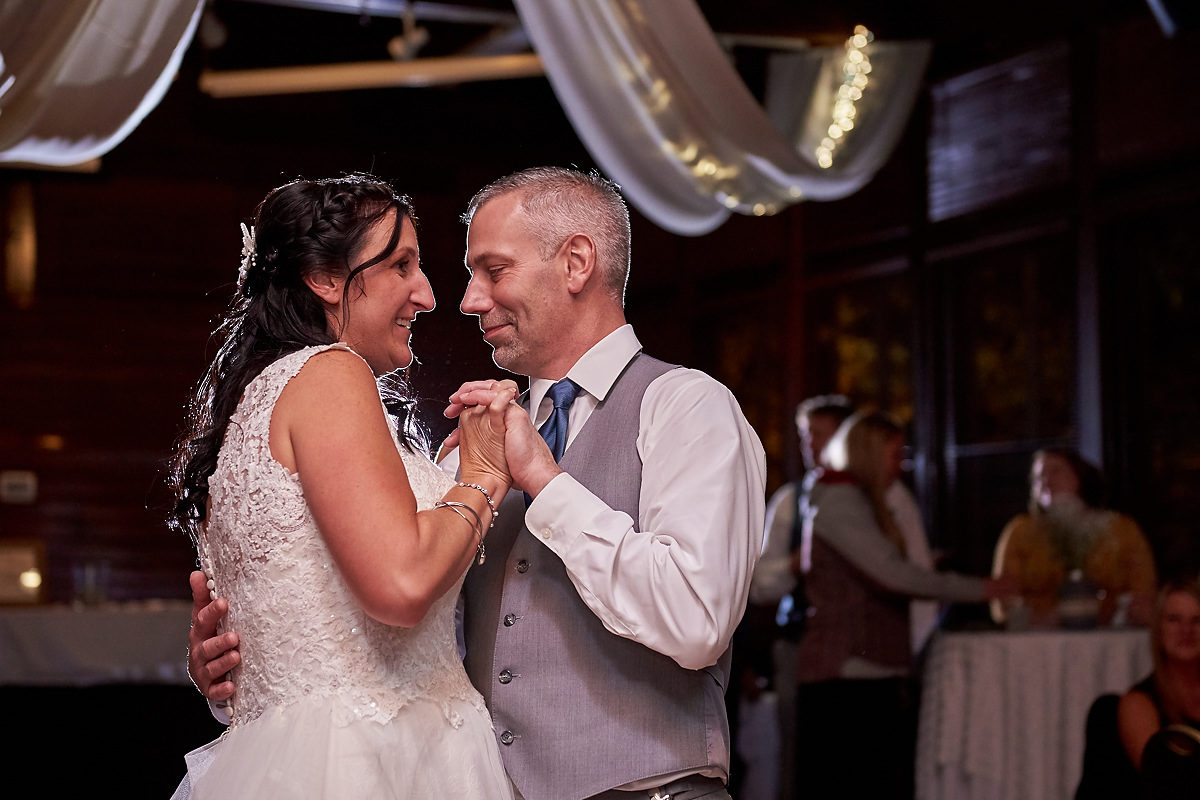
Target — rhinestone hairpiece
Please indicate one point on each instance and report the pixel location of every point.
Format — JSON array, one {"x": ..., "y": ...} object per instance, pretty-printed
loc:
[{"x": 249, "y": 253}]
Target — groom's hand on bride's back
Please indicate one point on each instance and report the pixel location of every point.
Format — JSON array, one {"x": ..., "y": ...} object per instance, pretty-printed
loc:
[{"x": 210, "y": 655}]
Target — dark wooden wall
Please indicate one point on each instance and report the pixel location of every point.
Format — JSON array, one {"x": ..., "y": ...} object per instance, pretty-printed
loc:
[{"x": 136, "y": 261}]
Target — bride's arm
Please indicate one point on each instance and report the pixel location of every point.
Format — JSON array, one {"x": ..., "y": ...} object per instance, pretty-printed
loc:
[
  {"x": 330, "y": 409},
  {"x": 329, "y": 427}
]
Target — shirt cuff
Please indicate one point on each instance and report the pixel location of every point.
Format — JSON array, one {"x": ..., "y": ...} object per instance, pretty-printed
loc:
[
  {"x": 562, "y": 511},
  {"x": 220, "y": 711}
]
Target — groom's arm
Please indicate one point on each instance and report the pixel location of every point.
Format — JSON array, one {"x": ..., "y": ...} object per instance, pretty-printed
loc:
[{"x": 211, "y": 655}]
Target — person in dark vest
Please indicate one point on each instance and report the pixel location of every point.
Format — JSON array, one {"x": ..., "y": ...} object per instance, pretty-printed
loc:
[
  {"x": 778, "y": 577},
  {"x": 854, "y": 662},
  {"x": 598, "y": 628}
]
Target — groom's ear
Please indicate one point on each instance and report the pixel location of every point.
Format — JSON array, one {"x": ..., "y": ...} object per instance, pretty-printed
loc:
[{"x": 579, "y": 251}]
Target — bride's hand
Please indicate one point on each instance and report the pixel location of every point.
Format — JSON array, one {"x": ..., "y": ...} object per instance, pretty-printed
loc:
[
  {"x": 481, "y": 432},
  {"x": 471, "y": 393}
]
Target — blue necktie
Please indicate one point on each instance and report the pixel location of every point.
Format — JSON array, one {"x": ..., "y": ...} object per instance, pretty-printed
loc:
[{"x": 554, "y": 429}]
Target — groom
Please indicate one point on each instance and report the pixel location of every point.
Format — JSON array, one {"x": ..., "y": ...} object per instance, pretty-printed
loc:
[{"x": 598, "y": 629}]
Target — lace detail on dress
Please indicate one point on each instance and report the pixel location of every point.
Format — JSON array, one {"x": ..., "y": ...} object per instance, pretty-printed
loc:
[{"x": 302, "y": 633}]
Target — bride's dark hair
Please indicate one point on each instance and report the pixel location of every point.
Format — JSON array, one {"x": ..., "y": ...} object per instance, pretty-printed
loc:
[{"x": 303, "y": 228}]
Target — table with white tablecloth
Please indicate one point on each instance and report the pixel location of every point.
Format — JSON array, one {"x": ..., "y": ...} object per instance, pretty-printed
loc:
[
  {"x": 108, "y": 643},
  {"x": 98, "y": 698},
  {"x": 1003, "y": 713}
]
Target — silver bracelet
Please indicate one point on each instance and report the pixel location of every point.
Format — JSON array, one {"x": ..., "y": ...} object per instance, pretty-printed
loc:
[
  {"x": 486, "y": 496},
  {"x": 454, "y": 506}
]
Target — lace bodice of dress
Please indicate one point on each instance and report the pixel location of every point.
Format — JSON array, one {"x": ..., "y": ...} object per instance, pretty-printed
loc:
[{"x": 301, "y": 632}]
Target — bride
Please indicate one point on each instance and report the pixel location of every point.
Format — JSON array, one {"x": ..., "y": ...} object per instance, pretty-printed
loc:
[{"x": 337, "y": 543}]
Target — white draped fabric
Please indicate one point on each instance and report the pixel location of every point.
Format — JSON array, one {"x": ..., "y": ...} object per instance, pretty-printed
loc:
[
  {"x": 664, "y": 113},
  {"x": 76, "y": 76},
  {"x": 645, "y": 84}
]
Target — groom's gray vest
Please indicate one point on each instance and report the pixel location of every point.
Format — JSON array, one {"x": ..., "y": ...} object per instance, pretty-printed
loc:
[{"x": 578, "y": 710}]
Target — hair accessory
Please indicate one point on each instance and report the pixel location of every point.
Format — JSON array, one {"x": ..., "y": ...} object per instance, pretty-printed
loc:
[
  {"x": 486, "y": 496},
  {"x": 249, "y": 254},
  {"x": 454, "y": 506}
]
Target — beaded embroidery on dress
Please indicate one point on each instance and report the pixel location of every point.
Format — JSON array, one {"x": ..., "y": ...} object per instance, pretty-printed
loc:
[{"x": 329, "y": 703}]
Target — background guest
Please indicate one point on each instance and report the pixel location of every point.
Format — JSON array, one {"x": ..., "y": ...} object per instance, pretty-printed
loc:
[
  {"x": 1171, "y": 694},
  {"x": 1067, "y": 535},
  {"x": 817, "y": 420},
  {"x": 854, "y": 659},
  {"x": 778, "y": 578},
  {"x": 775, "y": 583}
]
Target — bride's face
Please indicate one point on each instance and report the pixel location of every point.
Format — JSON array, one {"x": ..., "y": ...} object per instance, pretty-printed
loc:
[{"x": 384, "y": 299}]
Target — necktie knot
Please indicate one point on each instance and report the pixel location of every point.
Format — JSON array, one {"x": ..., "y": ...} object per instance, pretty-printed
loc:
[{"x": 563, "y": 393}]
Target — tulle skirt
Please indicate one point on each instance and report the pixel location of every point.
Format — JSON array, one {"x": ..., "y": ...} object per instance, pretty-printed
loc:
[{"x": 297, "y": 753}]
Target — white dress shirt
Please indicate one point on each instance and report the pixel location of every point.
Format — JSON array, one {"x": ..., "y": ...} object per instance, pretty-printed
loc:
[
  {"x": 773, "y": 576},
  {"x": 678, "y": 584}
]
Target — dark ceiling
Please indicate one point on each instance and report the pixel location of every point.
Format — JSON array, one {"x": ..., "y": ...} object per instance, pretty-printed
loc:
[
  {"x": 257, "y": 33},
  {"x": 513, "y": 122}
]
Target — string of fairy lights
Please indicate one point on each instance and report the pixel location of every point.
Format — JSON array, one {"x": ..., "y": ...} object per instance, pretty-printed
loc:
[{"x": 855, "y": 68}]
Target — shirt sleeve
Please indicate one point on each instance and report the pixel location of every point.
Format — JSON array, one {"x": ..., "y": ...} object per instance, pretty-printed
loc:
[
  {"x": 845, "y": 522},
  {"x": 773, "y": 576},
  {"x": 679, "y": 583},
  {"x": 908, "y": 519}
]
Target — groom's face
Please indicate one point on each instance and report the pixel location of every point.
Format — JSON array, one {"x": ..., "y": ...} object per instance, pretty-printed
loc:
[{"x": 519, "y": 297}]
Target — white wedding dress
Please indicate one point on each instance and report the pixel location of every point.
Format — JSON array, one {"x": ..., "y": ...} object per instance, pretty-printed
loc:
[{"x": 330, "y": 703}]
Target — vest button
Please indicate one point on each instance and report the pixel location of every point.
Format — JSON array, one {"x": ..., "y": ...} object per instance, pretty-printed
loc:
[
  {"x": 509, "y": 620},
  {"x": 505, "y": 676},
  {"x": 522, "y": 566},
  {"x": 507, "y": 737}
]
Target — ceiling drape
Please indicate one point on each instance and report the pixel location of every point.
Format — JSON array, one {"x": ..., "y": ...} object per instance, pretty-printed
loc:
[
  {"x": 665, "y": 114},
  {"x": 76, "y": 76},
  {"x": 646, "y": 86}
]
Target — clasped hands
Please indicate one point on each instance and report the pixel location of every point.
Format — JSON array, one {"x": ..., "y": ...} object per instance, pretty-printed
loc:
[{"x": 517, "y": 451}]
